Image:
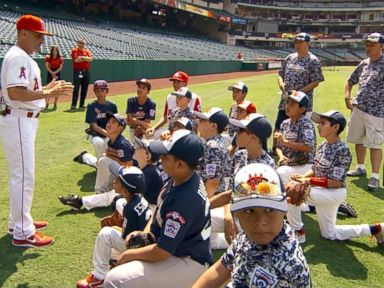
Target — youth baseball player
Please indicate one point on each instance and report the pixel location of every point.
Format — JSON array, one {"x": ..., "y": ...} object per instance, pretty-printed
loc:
[
  {"x": 96, "y": 117},
  {"x": 179, "y": 79},
  {"x": 328, "y": 187},
  {"x": 129, "y": 183},
  {"x": 239, "y": 92},
  {"x": 119, "y": 151},
  {"x": 141, "y": 110},
  {"x": 181, "y": 225},
  {"x": 24, "y": 98}
]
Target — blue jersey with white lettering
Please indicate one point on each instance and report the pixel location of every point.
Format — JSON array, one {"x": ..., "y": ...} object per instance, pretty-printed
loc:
[
  {"x": 182, "y": 222},
  {"x": 136, "y": 215},
  {"x": 97, "y": 113},
  {"x": 153, "y": 183},
  {"x": 123, "y": 147},
  {"x": 141, "y": 112}
]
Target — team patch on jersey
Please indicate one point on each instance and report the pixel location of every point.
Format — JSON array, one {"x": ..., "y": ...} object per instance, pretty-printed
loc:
[
  {"x": 171, "y": 228},
  {"x": 22, "y": 73},
  {"x": 175, "y": 216},
  {"x": 152, "y": 112},
  {"x": 210, "y": 170},
  {"x": 262, "y": 278},
  {"x": 120, "y": 153},
  {"x": 338, "y": 172}
]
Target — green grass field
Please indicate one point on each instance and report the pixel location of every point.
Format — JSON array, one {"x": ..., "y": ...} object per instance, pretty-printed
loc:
[{"x": 358, "y": 263}]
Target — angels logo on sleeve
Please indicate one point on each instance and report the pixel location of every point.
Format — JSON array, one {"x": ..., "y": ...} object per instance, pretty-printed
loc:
[
  {"x": 261, "y": 278},
  {"x": 22, "y": 73}
]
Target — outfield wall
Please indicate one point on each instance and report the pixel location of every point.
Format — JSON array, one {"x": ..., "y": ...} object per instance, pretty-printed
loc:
[{"x": 122, "y": 70}]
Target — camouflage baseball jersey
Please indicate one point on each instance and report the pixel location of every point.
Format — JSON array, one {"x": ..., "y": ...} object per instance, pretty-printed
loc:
[
  {"x": 302, "y": 131},
  {"x": 370, "y": 95},
  {"x": 211, "y": 166},
  {"x": 176, "y": 114},
  {"x": 232, "y": 114},
  {"x": 281, "y": 263},
  {"x": 240, "y": 159},
  {"x": 332, "y": 161},
  {"x": 298, "y": 73}
]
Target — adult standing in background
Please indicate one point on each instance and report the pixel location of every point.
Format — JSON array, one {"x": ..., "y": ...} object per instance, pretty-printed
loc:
[
  {"x": 24, "y": 98},
  {"x": 54, "y": 64},
  {"x": 366, "y": 126},
  {"x": 82, "y": 59},
  {"x": 300, "y": 71}
]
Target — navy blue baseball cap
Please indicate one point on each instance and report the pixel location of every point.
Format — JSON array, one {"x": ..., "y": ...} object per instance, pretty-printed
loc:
[
  {"x": 100, "y": 84},
  {"x": 183, "y": 91},
  {"x": 145, "y": 144},
  {"x": 239, "y": 85},
  {"x": 332, "y": 114},
  {"x": 302, "y": 37},
  {"x": 118, "y": 117},
  {"x": 256, "y": 123},
  {"x": 375, "y": 38},
  {"x": 183, "y": 144},
  {"x": 146, "y": 82},
  {"x": 131, "y": 177},
  {"x": 215, "y": 115},
  {"x": 299, "y": 97}
]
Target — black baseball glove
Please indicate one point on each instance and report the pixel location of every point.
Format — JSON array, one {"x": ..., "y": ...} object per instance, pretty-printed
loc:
[{"x": 140, "y": 240}]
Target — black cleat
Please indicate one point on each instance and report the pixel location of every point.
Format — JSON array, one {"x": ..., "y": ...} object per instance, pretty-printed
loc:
[
  {"x": 74, "y": 201},
  {"x": 79, "y": 157}
]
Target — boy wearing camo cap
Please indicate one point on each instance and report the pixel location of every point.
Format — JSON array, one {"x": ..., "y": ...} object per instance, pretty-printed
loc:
[{"x": 259, "y": 204}]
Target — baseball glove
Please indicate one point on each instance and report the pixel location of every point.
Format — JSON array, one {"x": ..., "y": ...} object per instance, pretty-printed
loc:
[
  {"x": 296, "y": 161},
  {"x": 297, "y": 192},
  {"x": 347, "y": 209},
  {"x": 140, "y": 240},
  {"x": 139, "y": 131},
  {"x": 93, "y": 133},
  {"x": 112, "y": 220}
]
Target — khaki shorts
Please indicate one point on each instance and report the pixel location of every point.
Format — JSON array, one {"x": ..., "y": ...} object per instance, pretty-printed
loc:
[{"x": 365, "y": 129}]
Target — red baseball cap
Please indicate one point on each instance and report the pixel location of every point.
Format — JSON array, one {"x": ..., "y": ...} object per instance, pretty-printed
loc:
[
  {"x": 32, "y": 23},
  {"x": 180, "y": 76},
  {"x": 247, "y": 106}
]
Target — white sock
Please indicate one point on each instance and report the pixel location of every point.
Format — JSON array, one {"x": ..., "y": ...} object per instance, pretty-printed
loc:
[
  {"x": 375, "y": 175},
  {"x": 361, "y": 166}
]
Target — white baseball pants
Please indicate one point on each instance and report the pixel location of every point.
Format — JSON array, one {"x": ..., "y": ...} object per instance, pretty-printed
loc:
[
  {"x": 286, "y": 172},
  {"x": 108, "y": 238},
  {"x": 327, "y": 202},
  {"x": 18, "y": 135},
  {"x": 99, "y": 145},
  {"x": 104, "y": 177},
  {"x": 99, "y": 200},
  {"x": 173, "y": 272}
]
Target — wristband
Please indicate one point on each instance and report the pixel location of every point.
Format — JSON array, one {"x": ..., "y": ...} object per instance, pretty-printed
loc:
[{"x": 321, "y": 182}]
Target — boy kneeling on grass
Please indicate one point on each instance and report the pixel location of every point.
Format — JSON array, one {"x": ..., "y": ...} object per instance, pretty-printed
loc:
[
  {"x": 266, "y": 252},
  {"x": 130, "y": 183}
]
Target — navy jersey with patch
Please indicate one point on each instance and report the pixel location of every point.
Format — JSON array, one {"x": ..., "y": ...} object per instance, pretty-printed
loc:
[
  {"x": 123, "y": 147},
  {"x": 301, "y": 131},
  {"x": 182, "y": 223},
  {"x": 279, "y": 264},
  {"x": 332, "y": 161},
  {"x": 97, "y": 113},
  {"x": 240, "y": 159},
  {"x": 370, "y": 95},
  {"x": 147, "y": 111},
  {"x": 153, "y": 183},
  {"x": 136, "y": 215},
  {"x": 213, "y": 163},
  {"x": 297, "y": 72}
]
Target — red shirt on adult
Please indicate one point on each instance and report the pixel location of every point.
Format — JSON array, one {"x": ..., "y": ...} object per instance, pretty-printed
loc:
[
  {"x": 54, "y": 63},
  {"x": 76, "y": 52}
]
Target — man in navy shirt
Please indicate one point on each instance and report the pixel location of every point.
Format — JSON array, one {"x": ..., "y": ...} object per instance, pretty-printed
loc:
[
  {"x": 96, "y": 117},
  {"x": 181, "y": 224},
  {"x": 140, "y": 109}
]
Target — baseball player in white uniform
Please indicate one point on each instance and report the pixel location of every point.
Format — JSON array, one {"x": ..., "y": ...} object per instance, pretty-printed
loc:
[{"x": 24, "y": 97}]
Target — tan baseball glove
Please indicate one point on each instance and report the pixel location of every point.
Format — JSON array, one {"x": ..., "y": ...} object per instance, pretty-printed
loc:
[{"x": 297, "y": 192}]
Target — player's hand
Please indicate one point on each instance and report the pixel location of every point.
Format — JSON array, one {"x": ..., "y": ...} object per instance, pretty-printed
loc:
[
  {"x": 348, "y": 103},
  {"x": 124, "y": 257},
  {"x": 60, "y": 88},
  {"x": 149, "y": 132},
  {"x": 279, "y": 137},
  {"x": 165, "y": 135},
  {"x": 299, "y": 178},
  {"x": 146, "y": 125},
  {"x": 282, "y": 87},
  {"x": 282, "y": 160},
  {"x": 230, "y": 229}
]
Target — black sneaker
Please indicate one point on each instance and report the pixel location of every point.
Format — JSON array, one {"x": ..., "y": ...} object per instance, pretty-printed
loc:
[
  {"x": 74, "y": 201},
  {"x": 79, "y": 157}
]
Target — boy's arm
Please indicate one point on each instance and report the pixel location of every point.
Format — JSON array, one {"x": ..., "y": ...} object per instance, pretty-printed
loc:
[
  {"x": 98, "y": 129},
  {"x": 216, "y": 276},
  {"x": 150, "y": 253},
  {"x": 211, "y": 186}
]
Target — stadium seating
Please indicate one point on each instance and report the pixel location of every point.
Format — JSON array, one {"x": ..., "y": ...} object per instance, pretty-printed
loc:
[{"x": 113, "y": 42}]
